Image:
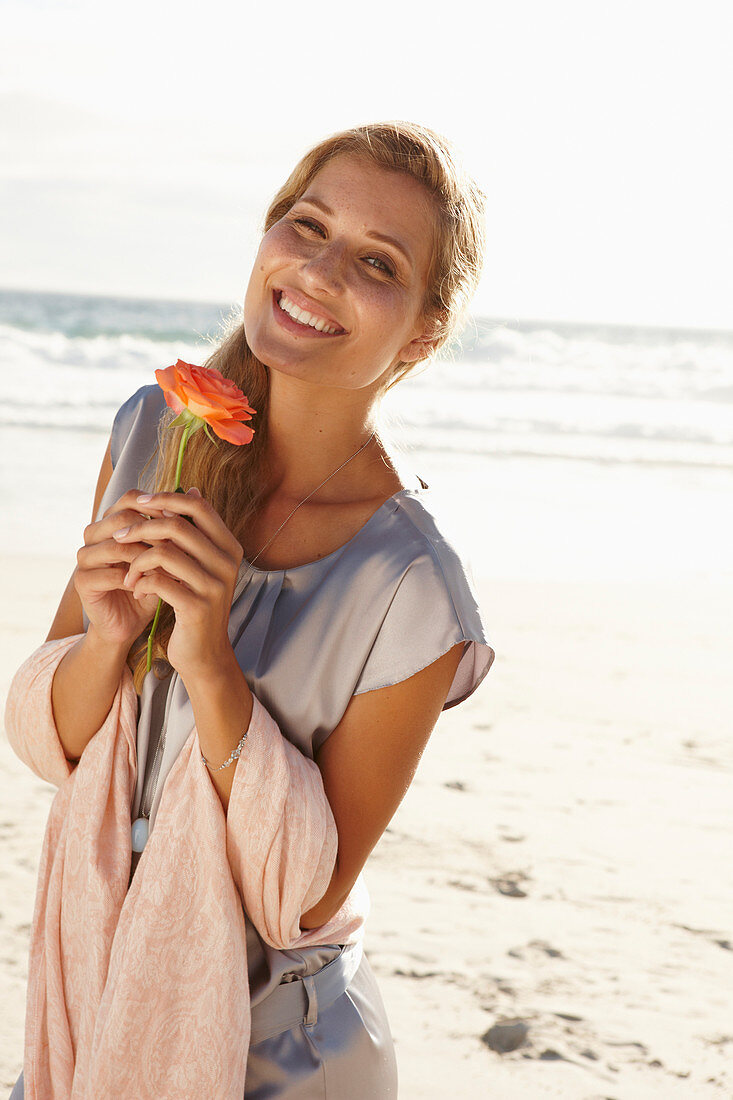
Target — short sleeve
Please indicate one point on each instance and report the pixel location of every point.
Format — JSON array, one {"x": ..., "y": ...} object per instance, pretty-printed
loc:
[
  {"x": 434, "y": 607},
  {"x": 141, "y": 412}
]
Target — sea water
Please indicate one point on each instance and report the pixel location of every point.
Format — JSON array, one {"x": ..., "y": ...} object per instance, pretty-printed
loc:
[{"x": 559, "y": 449}]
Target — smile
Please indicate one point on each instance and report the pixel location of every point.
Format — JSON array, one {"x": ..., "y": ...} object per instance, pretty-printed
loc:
[{"x": 304, "y": 319}]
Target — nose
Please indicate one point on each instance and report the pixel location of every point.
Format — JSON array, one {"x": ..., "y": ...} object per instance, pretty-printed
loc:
[{"x": 324, "y": 271}]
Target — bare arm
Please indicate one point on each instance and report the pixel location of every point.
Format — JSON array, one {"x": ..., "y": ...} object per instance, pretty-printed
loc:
[
  {"x": 87, "y": 678},
  {"x": 368, "y": 763}
]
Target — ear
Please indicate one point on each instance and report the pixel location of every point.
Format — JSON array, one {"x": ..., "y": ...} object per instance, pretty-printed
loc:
[
  {"x": 421, "y": 347},
  {"x": 415, "y": 351}
]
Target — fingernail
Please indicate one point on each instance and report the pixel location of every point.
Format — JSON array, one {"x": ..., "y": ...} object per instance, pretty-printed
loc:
[
  {"x": 144, "y": 498},
  {"x": 167, "y": 513},
  {"x": 121, "y": 533},
  {"x": 126, "y": 579},
  {"x": 194, "y": 491}
]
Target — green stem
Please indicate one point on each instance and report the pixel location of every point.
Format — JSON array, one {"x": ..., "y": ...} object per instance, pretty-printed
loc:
[
  {"x": 179, "y": 465},
  {"x": 181, "y": 450}
]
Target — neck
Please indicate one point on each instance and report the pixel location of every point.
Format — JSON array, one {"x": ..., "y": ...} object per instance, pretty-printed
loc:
[{"x": 311, "y": 430}]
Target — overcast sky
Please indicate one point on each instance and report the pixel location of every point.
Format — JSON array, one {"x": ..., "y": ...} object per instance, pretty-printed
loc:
[{"x": 140, "y": 144}]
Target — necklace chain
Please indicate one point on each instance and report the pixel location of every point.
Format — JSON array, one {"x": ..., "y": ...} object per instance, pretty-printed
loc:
[{"x": 312, "y": 493}]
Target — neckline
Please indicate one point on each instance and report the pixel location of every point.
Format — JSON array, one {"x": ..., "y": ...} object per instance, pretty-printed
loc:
[{"x": 246, "y": 569}]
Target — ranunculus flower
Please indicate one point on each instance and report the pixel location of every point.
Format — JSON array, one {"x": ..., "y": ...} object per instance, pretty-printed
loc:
[
  {"x": 206, "y": 394},
  {"x": 203, "y": 398}
]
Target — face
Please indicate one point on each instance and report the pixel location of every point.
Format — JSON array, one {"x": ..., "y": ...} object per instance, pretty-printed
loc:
[{"x": 330, "y": 299}]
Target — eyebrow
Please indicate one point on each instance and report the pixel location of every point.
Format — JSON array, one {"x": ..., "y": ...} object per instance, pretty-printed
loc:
[{"x": 370, "y": 233}]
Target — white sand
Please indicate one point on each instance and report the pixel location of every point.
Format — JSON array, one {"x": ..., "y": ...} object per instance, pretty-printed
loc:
[{"x": 590, "y": 777}]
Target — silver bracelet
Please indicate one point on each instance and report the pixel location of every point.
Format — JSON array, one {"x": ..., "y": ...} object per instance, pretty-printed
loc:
[{"x": 234, "y": 755}]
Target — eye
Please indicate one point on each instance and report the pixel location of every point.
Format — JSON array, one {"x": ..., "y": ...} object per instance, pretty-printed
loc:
[
  {"x": 309, "y": 224},
  {"x": 385, "y": 267}
]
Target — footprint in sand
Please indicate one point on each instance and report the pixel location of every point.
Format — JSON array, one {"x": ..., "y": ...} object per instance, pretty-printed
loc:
[
  {"x": 533, "y": 948},
  {"x": 509, "y": 884}
]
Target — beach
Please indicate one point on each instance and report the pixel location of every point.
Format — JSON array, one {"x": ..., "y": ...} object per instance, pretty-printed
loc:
[
  {"x": 562, "y": 856},
  {"x": 552, "y": 902}
]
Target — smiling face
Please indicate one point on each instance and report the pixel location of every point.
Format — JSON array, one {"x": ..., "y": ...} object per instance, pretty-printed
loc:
[{"x": 337, "y": 289}]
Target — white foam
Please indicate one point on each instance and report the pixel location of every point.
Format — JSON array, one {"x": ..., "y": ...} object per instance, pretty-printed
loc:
[{"x": 561, "y": 452}]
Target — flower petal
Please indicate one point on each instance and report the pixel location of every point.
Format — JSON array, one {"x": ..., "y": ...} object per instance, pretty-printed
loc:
[
  {"x": 173, "y": 402},
  {"x": 205, "y": 393},
  {"x": 232, "y": 430}
]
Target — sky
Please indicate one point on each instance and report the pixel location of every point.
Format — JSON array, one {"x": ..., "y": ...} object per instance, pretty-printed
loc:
[{"x": 140, "y": 143}]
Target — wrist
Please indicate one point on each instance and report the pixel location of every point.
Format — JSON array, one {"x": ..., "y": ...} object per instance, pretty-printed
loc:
[
  {"x": 221, "y": 680},
  {"x": 216, "y": 667},
  {"x": 110, "y": 653}
]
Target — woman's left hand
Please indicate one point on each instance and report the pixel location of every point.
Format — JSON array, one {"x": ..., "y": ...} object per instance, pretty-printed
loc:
[{"x": 193, "y": 566}]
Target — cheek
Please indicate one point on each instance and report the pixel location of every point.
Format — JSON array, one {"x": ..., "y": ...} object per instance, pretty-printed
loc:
[
  {"x": 280, "y": 244},
  {"x": 268, "y": 254},
  {"x": 265, "y": 261},
  {"x": 376, "y": 296},
  {"x": 387, "y": 311}
]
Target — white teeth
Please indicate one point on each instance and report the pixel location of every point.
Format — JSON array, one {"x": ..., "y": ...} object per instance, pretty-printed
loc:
[{"x": 303, "y": 317}]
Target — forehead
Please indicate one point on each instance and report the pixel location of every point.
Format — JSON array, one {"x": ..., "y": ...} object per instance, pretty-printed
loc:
[{"x": 378, "y": 199}]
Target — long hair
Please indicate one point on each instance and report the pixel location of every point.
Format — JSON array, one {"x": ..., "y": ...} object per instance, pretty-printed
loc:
[{"x": 231, "y": 477}]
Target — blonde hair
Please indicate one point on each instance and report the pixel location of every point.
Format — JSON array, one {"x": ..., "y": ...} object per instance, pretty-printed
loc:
[{"x": 230, "y": 477}]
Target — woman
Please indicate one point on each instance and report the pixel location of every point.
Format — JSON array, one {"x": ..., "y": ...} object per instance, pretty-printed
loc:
[{"x": 306, "y": 584}]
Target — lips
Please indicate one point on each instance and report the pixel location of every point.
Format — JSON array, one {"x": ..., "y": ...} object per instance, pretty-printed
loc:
[{"x": 314, "y": 312}]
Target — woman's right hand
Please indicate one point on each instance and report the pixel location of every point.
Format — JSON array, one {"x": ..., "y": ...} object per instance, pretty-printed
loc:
[{"x": 102, "y": 564}]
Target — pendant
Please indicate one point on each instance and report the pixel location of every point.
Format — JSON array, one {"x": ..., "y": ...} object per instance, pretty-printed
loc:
[{"x": 140, "y": 830}]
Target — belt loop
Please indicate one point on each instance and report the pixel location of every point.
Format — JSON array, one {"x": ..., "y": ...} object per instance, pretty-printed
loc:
[{"x": 311, "y": 1016}]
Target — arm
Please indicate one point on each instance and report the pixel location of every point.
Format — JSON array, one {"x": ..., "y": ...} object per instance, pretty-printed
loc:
[
  {"x": 368, "y": 763},
  {"x": 340, "y": 805},
  {"x": 84, "y": 682},
  {"x": 87, "y": 679}
]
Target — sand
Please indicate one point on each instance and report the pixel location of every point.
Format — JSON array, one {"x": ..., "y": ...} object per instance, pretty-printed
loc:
[{"x": 563, "y": 857}]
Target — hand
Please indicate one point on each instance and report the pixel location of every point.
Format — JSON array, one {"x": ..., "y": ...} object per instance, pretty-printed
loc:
[
  {"x": 102, "y": 563},
  {"x": 193, "y": 566}
]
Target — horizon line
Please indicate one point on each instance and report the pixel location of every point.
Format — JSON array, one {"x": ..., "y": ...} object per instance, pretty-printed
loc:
[{"x": 473, "y": 317}]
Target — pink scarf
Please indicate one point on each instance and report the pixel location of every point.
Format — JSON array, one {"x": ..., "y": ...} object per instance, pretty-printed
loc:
[{"x": 144, "y": 992}]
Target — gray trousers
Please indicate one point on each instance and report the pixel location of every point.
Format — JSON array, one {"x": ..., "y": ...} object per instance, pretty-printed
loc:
[{"x": 343, "y": 1051}]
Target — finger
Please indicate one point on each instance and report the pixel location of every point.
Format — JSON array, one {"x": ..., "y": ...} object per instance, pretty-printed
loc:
[
  {"x": 159, "y": 584},
  {"x": 108, "y": 552},
  {"x": 186, "y": 536},
  {"x": 203, "y": 514},
  {"x": 103, "y": 528},
  {"x": 102, "y": 580},
  {"x": 179, "y": 566},
  {"x": 128, "y": 500}
]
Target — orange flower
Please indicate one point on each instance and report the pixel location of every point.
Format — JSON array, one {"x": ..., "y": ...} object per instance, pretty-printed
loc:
[
  {"x": 204, "y": 393},
  {"x": 203, "y": 398}
]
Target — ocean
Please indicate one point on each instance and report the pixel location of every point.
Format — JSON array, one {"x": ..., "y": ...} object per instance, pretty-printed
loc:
[{"x": 560, "y": 449}]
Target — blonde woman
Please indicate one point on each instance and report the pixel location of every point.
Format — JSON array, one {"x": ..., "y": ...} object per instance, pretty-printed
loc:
[{"x": 308, "y": 584}]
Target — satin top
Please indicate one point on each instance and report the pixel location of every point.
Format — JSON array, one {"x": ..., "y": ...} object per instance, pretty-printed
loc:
[{"x": 385, "y": 604}]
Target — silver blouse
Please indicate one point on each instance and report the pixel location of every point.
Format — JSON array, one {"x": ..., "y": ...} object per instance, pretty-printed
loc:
[{"x": 386, "y": 604}]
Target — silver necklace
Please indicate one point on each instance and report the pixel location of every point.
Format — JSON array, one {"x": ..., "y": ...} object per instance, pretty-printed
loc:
[{"x": 297, "y": 506}]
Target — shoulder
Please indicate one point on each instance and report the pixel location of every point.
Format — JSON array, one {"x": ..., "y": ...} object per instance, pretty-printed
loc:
[
  {"x": 435, "y": 556},
  {"x": 133, "y": 442},
  {"x": 137, "y": 418},
  {"x": 411, "y": 547},
  {"x": 426, "y": 599}
]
